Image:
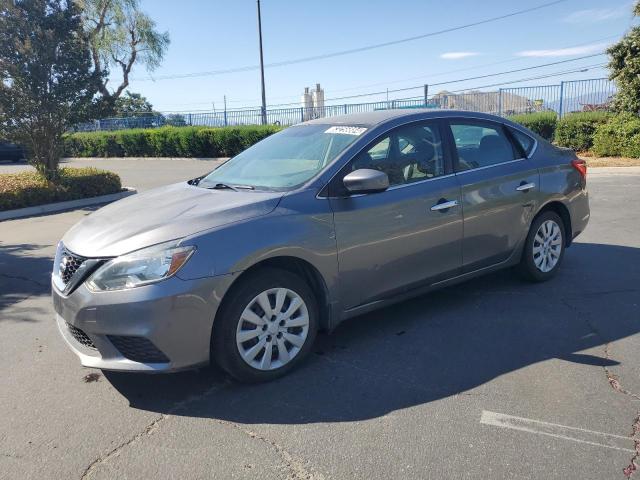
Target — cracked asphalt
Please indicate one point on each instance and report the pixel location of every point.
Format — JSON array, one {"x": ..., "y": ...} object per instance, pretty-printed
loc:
[{"x": 398, "y": 393}]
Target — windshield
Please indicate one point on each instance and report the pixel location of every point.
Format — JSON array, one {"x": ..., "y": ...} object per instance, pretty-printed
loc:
[{"x": 284, "y": 160}]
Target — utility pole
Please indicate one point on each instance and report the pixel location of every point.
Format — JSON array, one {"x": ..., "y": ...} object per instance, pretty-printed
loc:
[
  {"x": 225, "y": 111},
  {"x": 264, "y": 98}
]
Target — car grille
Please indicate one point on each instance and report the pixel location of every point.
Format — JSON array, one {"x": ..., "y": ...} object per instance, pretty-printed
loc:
[
  {"x": 69, "y": 265},
  {"x": 138, "y": 349},
  {"x": 81, "y": 337}
]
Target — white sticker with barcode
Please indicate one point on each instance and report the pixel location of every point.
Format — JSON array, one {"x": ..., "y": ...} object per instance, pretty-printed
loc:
[{"x": 346, "y": 130}]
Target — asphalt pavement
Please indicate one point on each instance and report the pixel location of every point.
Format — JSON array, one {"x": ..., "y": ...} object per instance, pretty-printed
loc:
[{"x": 493, "y": 378}]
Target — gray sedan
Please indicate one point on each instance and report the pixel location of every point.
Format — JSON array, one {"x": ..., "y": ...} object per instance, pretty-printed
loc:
[{"x": 318, "y": 223}]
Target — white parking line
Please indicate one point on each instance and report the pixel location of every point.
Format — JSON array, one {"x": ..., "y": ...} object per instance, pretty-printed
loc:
[{"x": 564, "y": 432}]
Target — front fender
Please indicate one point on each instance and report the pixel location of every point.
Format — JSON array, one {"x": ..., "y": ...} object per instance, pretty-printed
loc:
[{"x": 301, "y": 227}]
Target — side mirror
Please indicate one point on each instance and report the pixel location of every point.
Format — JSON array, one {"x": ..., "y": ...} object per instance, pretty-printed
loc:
[{"x": 366, "y": 180}]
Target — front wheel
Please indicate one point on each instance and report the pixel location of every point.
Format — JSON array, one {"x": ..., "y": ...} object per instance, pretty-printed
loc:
[
  {"x": 544, "y": 248},
  {"x": 266, "y": 326}
]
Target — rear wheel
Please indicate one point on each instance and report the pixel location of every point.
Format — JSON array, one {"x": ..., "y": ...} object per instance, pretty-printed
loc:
[
  {"x": 544, "y": 248},
  {"x": 266, "y": 326}
]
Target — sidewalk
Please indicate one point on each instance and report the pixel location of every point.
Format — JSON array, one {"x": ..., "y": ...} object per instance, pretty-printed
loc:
[{"x": 614, "y": 171}]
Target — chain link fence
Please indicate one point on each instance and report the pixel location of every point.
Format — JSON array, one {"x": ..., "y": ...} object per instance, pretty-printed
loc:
[{"x": 565, "y": 97}]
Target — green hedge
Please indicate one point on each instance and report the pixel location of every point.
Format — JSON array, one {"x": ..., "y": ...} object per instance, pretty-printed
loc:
[
  {"x": 604, "y": 133},
  {"x": 607, "y": 134},
  {"x": 166, "y": 142},
  {"x": 576, "y": 130},
  {"x": 542, "y": 123},
  {"x": 619, "y": 137},
  {"x": 28, "y": 189}
]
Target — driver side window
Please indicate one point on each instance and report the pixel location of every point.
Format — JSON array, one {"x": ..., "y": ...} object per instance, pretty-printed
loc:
[{"x": 407, "y": 154}]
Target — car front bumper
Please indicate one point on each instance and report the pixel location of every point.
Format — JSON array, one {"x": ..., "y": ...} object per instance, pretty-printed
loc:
[{"x": 154, "y": 328}]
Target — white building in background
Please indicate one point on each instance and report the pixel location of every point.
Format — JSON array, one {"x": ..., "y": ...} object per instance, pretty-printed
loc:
[
  {"x": 307, "y": 104},
  {"x": 313, "y": 103},
  {"x": 318, "y": 100}
]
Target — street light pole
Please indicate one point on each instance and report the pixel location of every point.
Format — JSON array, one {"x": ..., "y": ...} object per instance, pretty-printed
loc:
[{"x": 264, "y": 98}]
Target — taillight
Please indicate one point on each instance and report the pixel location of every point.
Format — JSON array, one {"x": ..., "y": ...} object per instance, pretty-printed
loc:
[{"x": 581, "y": 167}]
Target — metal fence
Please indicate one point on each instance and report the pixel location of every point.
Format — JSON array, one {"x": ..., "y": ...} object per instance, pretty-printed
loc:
[{"x": 563, "y": 98}]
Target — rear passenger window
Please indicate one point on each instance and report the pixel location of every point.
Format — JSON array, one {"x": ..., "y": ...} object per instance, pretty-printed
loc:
[
  {"x": 481, "y": 144},
  {"x": 524, "y": 140}
]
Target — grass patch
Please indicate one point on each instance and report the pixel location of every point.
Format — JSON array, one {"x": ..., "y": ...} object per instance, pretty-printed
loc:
[
  {"x": 595, "y": 161},
  {"x": 29, "y": 189}
]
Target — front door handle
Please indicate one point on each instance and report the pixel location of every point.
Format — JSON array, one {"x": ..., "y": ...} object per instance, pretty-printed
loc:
[
  {"x": 525, "y": 187},
  {"x": 444, "y": 205}
]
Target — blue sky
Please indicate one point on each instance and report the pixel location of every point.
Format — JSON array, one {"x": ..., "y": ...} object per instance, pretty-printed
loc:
[{"x": 211, "y": 35}]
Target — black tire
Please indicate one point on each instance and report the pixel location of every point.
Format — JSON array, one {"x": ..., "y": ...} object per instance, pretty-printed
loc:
[
  {"x": 224, "y": 350},
  {"x": 527, "y": 267}
]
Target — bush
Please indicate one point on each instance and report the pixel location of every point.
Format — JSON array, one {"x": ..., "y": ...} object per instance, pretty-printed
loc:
[
  {"x": 167, "y": 142},
  {"x": 542, "y": 123},
  {"x": 28, "y": 189},
  {"x": 576, "y": 130},
  {"x": 620, "y": 136},
  {"x": 92, "y": 144}
]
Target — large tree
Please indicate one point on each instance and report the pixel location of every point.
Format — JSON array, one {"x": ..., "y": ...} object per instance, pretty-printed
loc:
[
  {"x": 46, "y": 78},
  {"x": 121, "y": 36},
  {"x": 624, "y": 65}
]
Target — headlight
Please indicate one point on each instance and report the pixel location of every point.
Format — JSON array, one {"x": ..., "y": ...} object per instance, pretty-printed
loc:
[{"x": 142, "y": 267}]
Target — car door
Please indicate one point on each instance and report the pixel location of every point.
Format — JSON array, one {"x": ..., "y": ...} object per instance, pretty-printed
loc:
[
  {"x": 499, "y": 186},
  {"x": 392, "y": 241}
]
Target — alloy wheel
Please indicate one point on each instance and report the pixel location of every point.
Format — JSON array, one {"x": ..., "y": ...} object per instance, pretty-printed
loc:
[
  {"x": 272, "y": 329},
  {"x": 547, "y": 246}
]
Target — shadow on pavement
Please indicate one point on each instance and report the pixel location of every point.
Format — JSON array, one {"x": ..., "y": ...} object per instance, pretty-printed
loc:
[
  {"x": 23, "y": 273},
  {"x": 442, "y": 344}
]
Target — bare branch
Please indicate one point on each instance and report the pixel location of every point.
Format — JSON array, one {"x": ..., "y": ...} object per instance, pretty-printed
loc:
[
  {"x": 122, "y": 36},
  {"x": 126, "y": 68}
]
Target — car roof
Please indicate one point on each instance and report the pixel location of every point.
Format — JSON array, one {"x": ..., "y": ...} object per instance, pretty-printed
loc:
[{"x": 377, "y": 117}]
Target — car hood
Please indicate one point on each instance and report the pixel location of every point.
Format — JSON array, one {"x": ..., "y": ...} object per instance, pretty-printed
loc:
[{"x": 163, "y": 214}]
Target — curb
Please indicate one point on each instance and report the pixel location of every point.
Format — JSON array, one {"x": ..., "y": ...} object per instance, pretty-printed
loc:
[
  {"x": 69, "y": 205},
  {"x": 613, "y": 171}
]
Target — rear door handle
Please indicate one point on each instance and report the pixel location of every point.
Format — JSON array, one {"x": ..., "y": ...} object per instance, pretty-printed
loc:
[
  {"x": 444, "y": 205},
  {"x": 525, "y": 187}
]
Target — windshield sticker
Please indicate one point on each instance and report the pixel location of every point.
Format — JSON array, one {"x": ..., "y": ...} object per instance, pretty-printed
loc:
[{"x": 344, "y": 130}]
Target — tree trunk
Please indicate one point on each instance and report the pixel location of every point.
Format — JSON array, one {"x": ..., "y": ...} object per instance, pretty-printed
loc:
[{"x": 46, "y": 147}]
